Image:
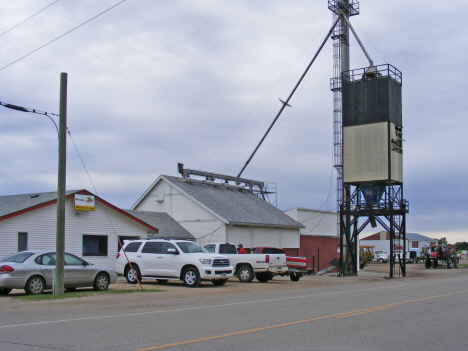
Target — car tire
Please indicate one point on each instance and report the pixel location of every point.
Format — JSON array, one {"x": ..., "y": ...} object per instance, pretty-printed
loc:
[
  {"x": 219, "y": 282},
  {"x": 455, "y": 262},
  {"x": 191, "y": 277},
  {"x": 380, "y": 260},
  {"x": 434, "y": 263},
  {"x": 5, "y": 291},
  {"x": 263, "y": 277},
  {"x": 245, "y": 274},
  {"x": 162, "y": 281},
  {"x": 295, "y": 277},
  {"x": 133, "y": 278},
  {"x": 101, "y": 282},
  {"x": 35, "y": 285}
]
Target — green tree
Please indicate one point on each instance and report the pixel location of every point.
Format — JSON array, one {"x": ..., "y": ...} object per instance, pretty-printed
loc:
[{"x": 443, "y": 241}]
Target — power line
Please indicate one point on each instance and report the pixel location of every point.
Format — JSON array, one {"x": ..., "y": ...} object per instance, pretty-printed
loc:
[
  {"x": 29, "y": 18},
  {"x": 50, "y": 42}
]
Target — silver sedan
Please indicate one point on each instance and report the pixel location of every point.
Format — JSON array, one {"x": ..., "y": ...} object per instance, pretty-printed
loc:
[{"x": 32, "y": 271}]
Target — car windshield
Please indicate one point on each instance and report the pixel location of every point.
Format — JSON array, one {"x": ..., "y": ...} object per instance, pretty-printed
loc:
[
  {"x": 19, "y": 257},
  {"x": 189, "y": 247}
]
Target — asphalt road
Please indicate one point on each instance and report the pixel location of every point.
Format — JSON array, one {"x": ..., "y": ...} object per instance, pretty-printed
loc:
[{"x": 426, "y": 310}]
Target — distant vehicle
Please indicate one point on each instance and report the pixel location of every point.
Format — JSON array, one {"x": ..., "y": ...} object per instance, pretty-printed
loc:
[
  {"x": 440, "y": 255},
  {"x": 166, "y": 260},
  {"x": 32, "y": 271},
  {"x": 379, "y": 256},
  {"x": 408, "y": 258}
]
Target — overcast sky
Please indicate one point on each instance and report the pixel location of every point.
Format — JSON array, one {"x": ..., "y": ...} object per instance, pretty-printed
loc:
[{"x": 154, "y": 83}]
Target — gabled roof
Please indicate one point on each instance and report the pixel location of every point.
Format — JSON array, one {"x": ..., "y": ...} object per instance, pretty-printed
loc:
[
  {"x": 15, "y": 205},
  {"x": 233, "y": 205},
  {"x": 168, "y": 227},
  {"x": 409, "y": 236},
  {"x": 418, "y": 237}
]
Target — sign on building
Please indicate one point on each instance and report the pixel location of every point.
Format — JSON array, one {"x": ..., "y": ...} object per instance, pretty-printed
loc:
[{"x": 84, "y": 202}]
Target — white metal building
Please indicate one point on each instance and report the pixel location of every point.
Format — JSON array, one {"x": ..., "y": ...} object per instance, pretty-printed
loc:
[
  {"x": 381, "y": 241},
  {"x": 219, "y": 212}
]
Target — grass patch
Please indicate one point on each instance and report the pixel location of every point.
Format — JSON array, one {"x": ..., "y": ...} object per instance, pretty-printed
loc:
[
  {"x": 464, "y": 265},
  {"x": 70, "y": 294}
]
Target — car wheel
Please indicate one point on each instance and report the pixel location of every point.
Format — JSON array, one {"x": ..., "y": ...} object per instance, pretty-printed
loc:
[
  {"x": 101, "y": 282},
  {"x": 162, "y": 281},
  {"x": 263, "y": 277},
  {"x": 35, "y": 285},
  {"x": 191, "y": 277},
  {"x": 245, "y": 274},
  {"x": 132, "y": 275},
  {"x": 449, "y": 263},
  {"x": 295, "y": 277},
  {"x": 434, "y": 263},
  {"x": 219, "y": 281},
  {"x": 5, "y": 291},
  {"x": 380, "y": 260},
  {"x": 455, "y": 262}
]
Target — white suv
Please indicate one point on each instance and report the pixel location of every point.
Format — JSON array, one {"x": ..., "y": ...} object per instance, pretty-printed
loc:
[{"x": 166, "y": 260}]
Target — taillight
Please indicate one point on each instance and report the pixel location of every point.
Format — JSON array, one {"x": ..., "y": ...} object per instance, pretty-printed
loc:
[
  {"x": 267, "y": 258},
  {"x": 6, "y": 269},
  {"x": 118, "y": 255}
]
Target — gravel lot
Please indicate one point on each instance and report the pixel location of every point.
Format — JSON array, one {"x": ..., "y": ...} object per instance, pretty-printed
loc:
[{"x": 373, "y": 273}]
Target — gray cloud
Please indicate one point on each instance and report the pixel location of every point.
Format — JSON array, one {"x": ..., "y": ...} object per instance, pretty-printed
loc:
[{"x": 156, "y": 83}]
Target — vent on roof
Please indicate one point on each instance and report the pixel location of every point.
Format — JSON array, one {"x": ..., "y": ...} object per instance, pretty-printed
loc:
[{"x": 33, "y": 196}]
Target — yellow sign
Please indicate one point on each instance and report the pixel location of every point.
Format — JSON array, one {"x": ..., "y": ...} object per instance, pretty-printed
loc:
[{"x": 84, "y": 202}]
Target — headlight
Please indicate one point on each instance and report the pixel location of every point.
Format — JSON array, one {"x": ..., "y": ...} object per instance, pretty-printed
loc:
[{"x": 205, "y": 260}]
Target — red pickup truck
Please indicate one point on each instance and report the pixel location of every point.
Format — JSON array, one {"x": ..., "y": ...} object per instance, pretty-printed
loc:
[{"x": 297, "y": 266}]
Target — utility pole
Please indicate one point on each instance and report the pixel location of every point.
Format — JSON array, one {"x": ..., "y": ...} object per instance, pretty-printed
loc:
[{"x": 62, "y": 167}]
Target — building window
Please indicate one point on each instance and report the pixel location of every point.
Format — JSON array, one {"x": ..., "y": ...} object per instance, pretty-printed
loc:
[
  {"x": 94, "y": 245},
  {"x": 414, "y": 244},
  {"x": 22, "y": 241}
]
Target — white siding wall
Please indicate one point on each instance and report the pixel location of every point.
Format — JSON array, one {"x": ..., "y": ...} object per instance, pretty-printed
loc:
[
  {"x": 424, "y": 243},
  {"x": 316, "y": 222},
  {"x": 40, "y": 225},
  {"x": 199, "y": 222},
  {"x": 261, "y": 236}
]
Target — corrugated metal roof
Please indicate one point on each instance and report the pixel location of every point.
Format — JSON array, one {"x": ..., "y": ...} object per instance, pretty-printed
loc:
[
  {"x": 15, "y": 203},
  {"x": 418, "y": 237},
  {"x": 168, "y": 227},
  {"x": 233, "y": 204}
]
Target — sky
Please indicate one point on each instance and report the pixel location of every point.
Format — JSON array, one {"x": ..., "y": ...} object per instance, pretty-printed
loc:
[{"x": 155, "y": 83}]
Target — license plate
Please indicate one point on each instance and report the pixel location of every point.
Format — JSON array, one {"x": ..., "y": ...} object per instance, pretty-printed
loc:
[
  {"x": 293, "y": 269},
  {"x": 278, "y": 269},
  {"x": 223, "y": 275}
]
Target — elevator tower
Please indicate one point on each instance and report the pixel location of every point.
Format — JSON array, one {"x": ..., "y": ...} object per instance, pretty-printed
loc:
[{"x": 368, "y": 139}]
